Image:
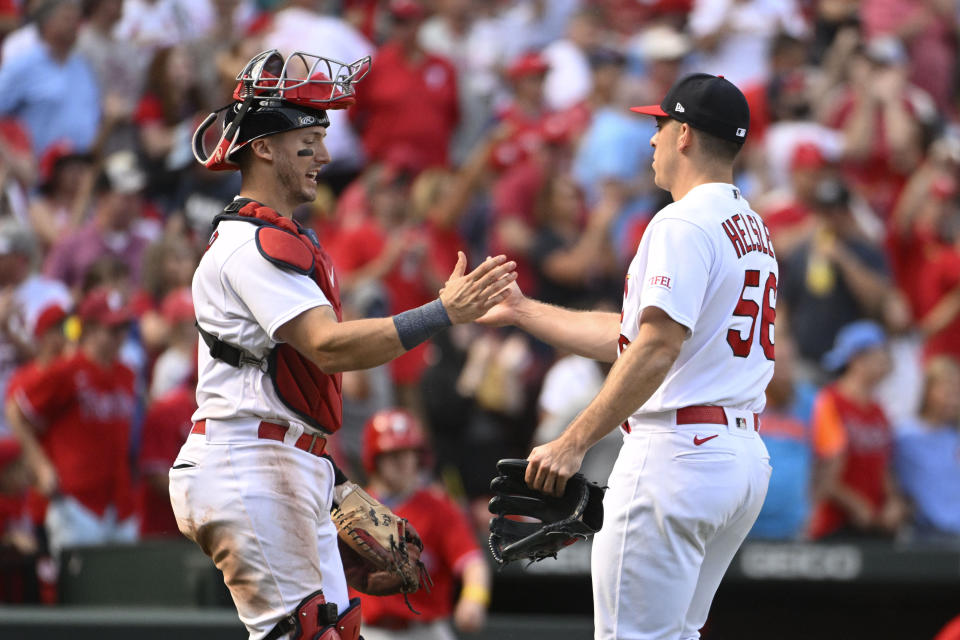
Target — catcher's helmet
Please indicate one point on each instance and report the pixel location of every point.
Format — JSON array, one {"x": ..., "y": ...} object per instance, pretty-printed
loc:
[
  {"x": 391, "y": 430},
  {"x": 275, "y": 95}
]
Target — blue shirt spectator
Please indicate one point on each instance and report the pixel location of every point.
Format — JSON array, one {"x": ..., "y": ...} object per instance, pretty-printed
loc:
[
  {"x": 55, "y": 100},
  {"x": 52, "y": 88},
  {"x": 926, "y": 452},
  {"x": 927, "y": 461},
  {"x": 786, "y": 432}
]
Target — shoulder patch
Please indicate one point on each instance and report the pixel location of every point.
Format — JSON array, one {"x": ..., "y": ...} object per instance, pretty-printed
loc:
[{"x": 284, "y": 250}]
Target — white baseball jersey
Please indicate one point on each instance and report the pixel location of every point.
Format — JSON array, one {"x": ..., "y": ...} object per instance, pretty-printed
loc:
[
  {"x": 242, "y": 298},
  {"x": 708, "y": 262}
]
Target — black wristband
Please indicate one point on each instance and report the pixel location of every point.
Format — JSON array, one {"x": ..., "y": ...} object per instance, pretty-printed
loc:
[
  {"x": 339, "y": 477},
  {"x": 420, "y": 324}
]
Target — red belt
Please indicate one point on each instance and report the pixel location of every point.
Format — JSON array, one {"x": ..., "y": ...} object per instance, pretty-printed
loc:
[
  {"x": 704, "y": 414},
  {"x": 314, "y": 444}
]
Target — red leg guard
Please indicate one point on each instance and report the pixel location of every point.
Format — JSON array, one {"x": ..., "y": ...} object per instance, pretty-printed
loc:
[{"x": 316, "y": 619}]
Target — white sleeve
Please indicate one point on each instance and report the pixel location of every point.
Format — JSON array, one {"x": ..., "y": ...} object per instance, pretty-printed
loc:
[
  {"x": 273, "y": 295},
  {"x": 677, "y": 271}
]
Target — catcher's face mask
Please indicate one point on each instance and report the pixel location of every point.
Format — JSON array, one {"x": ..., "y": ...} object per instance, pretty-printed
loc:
[{"x": 274, "y": 95}]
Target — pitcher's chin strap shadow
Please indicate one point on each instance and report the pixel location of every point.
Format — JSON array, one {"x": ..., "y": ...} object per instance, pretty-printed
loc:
[{"x": 226, "y": 352}]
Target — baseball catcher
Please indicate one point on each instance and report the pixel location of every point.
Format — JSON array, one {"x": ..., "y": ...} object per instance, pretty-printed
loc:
[
  {"x": 533, "y": 525},
  {"x": 253, "y": 485}
]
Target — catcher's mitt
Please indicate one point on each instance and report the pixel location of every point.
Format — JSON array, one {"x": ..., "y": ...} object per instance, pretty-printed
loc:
[
  {"x": 533, "y": 525},
  {"x": 380, "y": 551}
]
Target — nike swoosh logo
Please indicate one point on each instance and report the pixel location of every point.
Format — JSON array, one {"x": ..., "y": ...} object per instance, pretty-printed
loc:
[{"x": 697, "y": 440}]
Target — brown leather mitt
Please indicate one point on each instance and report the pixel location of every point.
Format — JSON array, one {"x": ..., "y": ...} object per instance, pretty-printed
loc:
[{"x": 380, "y": 551}]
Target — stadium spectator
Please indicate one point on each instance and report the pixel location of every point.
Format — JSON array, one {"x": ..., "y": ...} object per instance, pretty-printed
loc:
[
  {"x": 118, "y": 65},
  {"x": 660, "y": 51},
  {"x": 18, "y": 544},
  {"x": 395, "y": 455},
  {"x": 66, "y": 182},
  {"x": 166, "y": 117},
  {"x": 24, "y": 294},
  {"x": 571, "y": 254},
  {"x": 785, "y": 424},
  {"x": 36, "y": 85},
  {"x": 855, "y": 487},
  {"x": 924, "y": 223},
  {"x": 834, "y": 278},
  {"x": 165, "y": 427},
  {"x": 152, "y": 24},
  {"x": 882, "y": 117},
  {"x": 76, "y": 410},
  {"x": 179, "y": 360},
  {"x": 569, "y": 78},
  {"x": 113, "y": 229},
  {"x": 734, "y": 36},
  {"x": 788, "y": 212},
  {"x": 927, "y": 453},
  {"x": 168, "y": 265},
  {"x": 616, "y": 144},
  {"x": 926, "y": 30},
  {"x": 409, "y": 102}
]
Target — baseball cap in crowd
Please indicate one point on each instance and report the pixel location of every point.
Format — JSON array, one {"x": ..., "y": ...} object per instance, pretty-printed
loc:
[
  {"x": 807, "y": 155},
  {"x": 711, "y": 104},
  {"x": 528, "y": 64},
  {"x": 177, "y": 306},
  {"x": 852, "y": 340},
  {"x": 406, "y": 10},
  {"x": 104, "y": 307},
  {"x": 661, "y": 43},
  {"x": 52, "y": 316},
  {"x": 56, "y": 156}
]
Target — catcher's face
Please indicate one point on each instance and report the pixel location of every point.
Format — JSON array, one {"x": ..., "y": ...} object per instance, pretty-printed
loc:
[{"x": 299, "y": 156}]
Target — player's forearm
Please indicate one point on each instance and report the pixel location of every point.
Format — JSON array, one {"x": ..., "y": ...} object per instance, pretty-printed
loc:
[
  {"x": 591, "y": 334},
  {"x": 634, "y": 377},
  {"x": 357, "y": 344}
]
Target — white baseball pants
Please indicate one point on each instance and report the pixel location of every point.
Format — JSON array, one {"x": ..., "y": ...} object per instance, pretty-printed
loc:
[
  {"x": 261, "y": 510},
  {"x": 674, "y": 516}
]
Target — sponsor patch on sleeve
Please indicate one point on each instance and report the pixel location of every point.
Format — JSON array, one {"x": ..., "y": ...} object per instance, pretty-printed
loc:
[{"x": 664, "y": 282}]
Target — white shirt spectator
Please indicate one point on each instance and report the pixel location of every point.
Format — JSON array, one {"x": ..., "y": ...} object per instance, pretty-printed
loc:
[
  {"x": 744, "y": 30},
  {"x": 783, "y": 138},
  {"x": 164, "y": 23},
  {"x": 569, "y": 80},
  {"x": 19, "y": 41}
]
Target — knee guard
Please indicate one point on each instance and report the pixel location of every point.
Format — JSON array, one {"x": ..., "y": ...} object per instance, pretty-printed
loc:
[{"x": 316, "y": 619}]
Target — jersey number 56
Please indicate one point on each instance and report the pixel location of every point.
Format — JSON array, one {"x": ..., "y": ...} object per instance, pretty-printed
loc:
[{"x": 748, "y": 308}]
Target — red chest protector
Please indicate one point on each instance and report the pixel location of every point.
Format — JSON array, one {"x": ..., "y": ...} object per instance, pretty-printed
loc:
[{"x": 306, "y": 390}]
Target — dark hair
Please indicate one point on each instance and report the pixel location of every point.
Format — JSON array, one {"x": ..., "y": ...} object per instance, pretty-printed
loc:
[
  {"x": 158, "y": 86},
  {"x": 715, "y": 147}
]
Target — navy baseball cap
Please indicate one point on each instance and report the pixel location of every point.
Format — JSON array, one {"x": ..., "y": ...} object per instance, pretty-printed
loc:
[{"x": 709, "y": 103}]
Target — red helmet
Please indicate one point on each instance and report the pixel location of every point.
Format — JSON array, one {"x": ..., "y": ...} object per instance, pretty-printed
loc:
[
  {"x": 275, "y": 95},
  {"x": 391, "y": 430}
]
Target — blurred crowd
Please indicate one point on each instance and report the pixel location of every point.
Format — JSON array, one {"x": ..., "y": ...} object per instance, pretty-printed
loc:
[{"x": 492, "y": 126}]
